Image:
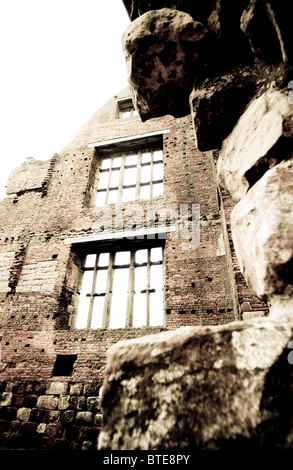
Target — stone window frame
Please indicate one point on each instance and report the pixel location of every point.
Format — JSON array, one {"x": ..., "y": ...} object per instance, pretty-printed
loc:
[
  {"x": 136, "y": 187},
  {"x": 126, "y": 108},
  {"x": 118, "y": 246},
  {"x": 123, "y": 147}
]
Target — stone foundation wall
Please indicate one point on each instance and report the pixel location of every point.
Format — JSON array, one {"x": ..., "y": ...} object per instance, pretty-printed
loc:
[{"x": 49, "y": 415}]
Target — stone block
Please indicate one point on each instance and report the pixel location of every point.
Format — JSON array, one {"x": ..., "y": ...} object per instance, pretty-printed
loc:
[
  {"x": 51, "y": 416},
  {"x": 30, "y": 401},
  {"x": 18, "y": 400},
  {"x": 64, "y": 403},
  {"x": 23, "y": 414},
  {"x": 37, "y": 415},
  {"x": 93, "y": 403},
  {"x": 75, "y": 389},
  {"x": 91, "y": 389},
  {"x": 15, "y": 425},
  {"x": 11, "y": 387},
  {"x": 68, "y": 416},
  {"x": 98, "y": 420},
  {"x": 77, "y": 403},
  {"x": 28, "y": 428},
  {"x": 87, "y": 445},
  {"x": 218, "y": 102},
  {"x": 6, "y": 399},
  {"x": 40, "y": 388},
  {"x": 84, "y": 418},
  {"x": 53, "y": 430},
  {"x": 41, "y": 428},
  {"x": 262, "y": 228},
  {"x": 162, "y": 50},
  {"x": 201, "y": 388},
  {"x": 252, "y": 314},
  {"x": 57, "y": 388},
  {"x": 4, "y": 425},
  {"x": 48, "y": 402},
  {"x": 261, "y": 139}
]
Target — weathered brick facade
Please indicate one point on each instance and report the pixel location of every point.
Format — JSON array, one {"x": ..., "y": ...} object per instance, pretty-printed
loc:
[{"x": 49, "y": 203}]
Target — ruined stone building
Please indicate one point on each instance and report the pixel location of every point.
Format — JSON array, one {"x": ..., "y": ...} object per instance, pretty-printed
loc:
[{"x": 122, "y": 234}]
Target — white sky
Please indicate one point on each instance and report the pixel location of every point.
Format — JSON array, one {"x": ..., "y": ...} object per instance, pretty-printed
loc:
[{"x": 60, "y": 60}]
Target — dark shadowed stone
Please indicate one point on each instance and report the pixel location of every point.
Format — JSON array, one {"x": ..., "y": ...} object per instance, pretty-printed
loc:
[
  {"x": 200, "y": 387},
  {"x": 163, "y": 52},
  {"x": 218, "y": 102},
  {"x": 84, "y": 418},
  {"x": 266, "y": 24},
  {"x": 262, "y": 228}
]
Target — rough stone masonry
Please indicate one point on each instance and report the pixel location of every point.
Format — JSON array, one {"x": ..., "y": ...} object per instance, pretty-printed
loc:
[{"x": 229, "y": 386}]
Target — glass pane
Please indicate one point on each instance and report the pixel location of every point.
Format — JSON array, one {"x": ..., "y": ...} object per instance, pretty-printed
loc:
[
  {"x": 141, "y": 256},
  {"x": 87, "y": 282},
  {"x": 145, "y": 192},
  {"x": 140, "y": 282},
  {"x": 156, "y": 308},
  {"x": 158, "y": 171},
  {"x": 131, "y": 159},
  {"x": 83, "y": 310},
  {"x": 157, "y": 155},
  {"x": 139, "y": 310},
  {"x": 128, "y": 194},
  {"x": 119, "y": 298},
  {"x": 101, "y": 281},
  {"x": 126, "y": 114},
  {"x": 97, "y": 316},
  {"x": 156, "y": 254},
  {"x": 122, "y": 257},
  {"x": 115, "y": 177},
  {"x": 146, "y": 157},
  {"x": 145, "y": 174},
  {"x": 106, "y": 162},
  {"x": 158, "y": 189},
  {"x": 113, "y": 196},
  {"x": 157, "y": 277},
  {"x": 116, "y": 162},
  {"x": 129, "y": 176},
  {"x": 103, "y": 259},
  {"x": 90, "y": 261},
  {"x": 103, "y": 181},
  {"x": 101, "y": 198}
]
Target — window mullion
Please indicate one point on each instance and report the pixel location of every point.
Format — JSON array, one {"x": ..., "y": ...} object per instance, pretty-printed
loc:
[
  {"x": 130, "y": 293},
  {"x": 148, "y": 288},
  {"x": 138, "y": 174},
  {"x": 152, "y": 172},
  {"x": 90, "y": 313},
  {"x": 121, "y": 179},
  {"x": 109, "y": 284},
  {"x": 109, "y": 180}
]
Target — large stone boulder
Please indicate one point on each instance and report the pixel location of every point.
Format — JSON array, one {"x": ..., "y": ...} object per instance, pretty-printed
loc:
[
  {"x": 163, "y": 51},
  {"x": 203, "y": 388},
  {"x": 262, "y": 138},
  {"x": 262, "y": 230}
]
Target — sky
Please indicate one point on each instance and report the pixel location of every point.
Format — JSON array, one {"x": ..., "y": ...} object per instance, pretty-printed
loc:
[{"x": 60, "y": 61}]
